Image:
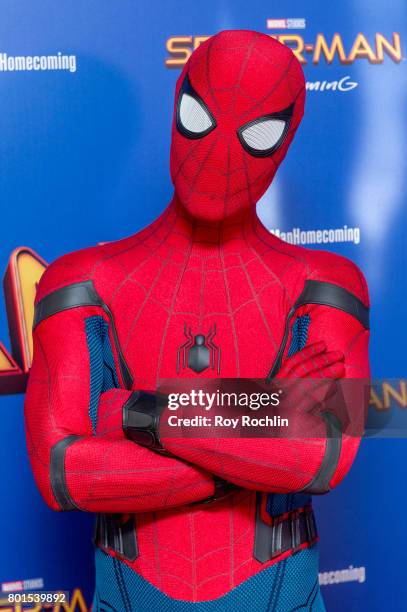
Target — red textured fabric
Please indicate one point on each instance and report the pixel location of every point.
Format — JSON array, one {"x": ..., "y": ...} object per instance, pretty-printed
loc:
[
  {"x": 106, "y": 472},
  {"x": 206, "y": 261},
  {"x": 288, "y": 464}
]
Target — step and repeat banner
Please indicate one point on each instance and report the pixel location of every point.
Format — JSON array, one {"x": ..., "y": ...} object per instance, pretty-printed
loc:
[{"x": 85, "y": 112}]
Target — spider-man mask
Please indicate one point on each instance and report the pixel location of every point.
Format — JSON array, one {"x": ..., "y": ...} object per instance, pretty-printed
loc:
[{"x": 238, "y": 103}]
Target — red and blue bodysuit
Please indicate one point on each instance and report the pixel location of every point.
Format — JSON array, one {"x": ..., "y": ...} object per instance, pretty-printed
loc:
[{"x": 209, "y": 524}]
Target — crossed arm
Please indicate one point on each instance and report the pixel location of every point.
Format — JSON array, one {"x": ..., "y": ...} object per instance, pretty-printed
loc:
[
  {"x": 100, "y": 470},
  {"x": 337, "y": 349}
]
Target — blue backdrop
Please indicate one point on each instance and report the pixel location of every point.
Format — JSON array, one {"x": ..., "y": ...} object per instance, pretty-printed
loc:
[{"x": 84, "y": 158}]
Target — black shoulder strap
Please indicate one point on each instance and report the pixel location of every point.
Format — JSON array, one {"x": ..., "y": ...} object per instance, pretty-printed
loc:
[
  {"x": 71, "y": 296},
  {"x": 325, "y": 294},
  {"x": 328, "y": 294},
  {"x": 74, "y": 296}
]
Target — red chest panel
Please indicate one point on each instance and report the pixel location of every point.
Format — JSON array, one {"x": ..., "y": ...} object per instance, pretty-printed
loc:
[{"x": 235, "y": 301}]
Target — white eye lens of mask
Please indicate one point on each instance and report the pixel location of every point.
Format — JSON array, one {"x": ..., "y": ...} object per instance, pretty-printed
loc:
[
  {"x": 264, "y": 135},
  {"x": 193, "y": 116}
]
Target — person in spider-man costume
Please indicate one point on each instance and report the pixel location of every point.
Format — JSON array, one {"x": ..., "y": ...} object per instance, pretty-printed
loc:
[{"x": 208, "y": 524}]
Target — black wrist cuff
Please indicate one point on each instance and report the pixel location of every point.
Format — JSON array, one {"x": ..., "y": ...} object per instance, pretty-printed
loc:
[
  {"x": 222, "y": 489},
  {"x": 141, "y": 419}
]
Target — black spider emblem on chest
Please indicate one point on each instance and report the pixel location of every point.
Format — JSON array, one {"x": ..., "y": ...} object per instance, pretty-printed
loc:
[{"x": 198, "y": 352}]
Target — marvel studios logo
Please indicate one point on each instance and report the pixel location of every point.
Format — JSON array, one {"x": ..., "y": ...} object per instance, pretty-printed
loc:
[
  {"x": 22, "y": 585},
  {"x": 290, "y": 23}
]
